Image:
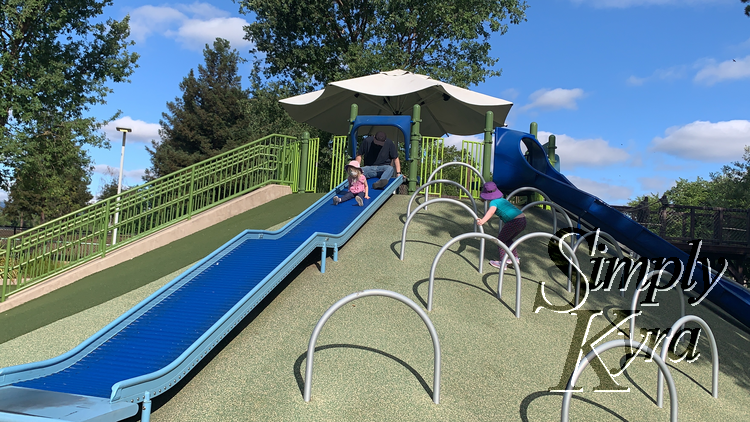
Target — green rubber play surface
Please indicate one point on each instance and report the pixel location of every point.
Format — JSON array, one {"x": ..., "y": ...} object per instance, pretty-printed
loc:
[{"x": 374, "y": 358}]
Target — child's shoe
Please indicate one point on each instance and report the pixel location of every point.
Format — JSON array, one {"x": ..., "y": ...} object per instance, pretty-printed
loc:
[
  {"x": 495, "y": 264},
  {"x": 359, "y": 200},
  {"x": 336, "y": 200}
]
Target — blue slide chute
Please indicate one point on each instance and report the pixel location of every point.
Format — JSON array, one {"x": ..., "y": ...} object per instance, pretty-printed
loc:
[
  {"x": 513, "y": 170},
  {"x": 155, "y": 344}
]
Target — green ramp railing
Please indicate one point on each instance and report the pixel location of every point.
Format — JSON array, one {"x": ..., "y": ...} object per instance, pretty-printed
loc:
[
  {"x": 311, "y": 184},
  {"x": 431, "y": 157},
  {"x": 472, "y": 153},
  {"x": 339, "y": 159},
  {"x": 36, "y": 254}
]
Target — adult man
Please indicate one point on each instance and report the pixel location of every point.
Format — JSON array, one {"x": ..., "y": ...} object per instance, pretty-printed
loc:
[{"x": 379, "y": 154}]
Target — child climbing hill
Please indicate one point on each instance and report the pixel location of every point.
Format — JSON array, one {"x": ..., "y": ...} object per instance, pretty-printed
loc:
[{"x": 514, "y": 221}]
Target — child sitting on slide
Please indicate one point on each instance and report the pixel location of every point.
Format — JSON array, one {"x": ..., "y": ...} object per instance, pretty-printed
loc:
[
  {"x": 357, "y": 185},
  {"x": 514, "y": 221}
]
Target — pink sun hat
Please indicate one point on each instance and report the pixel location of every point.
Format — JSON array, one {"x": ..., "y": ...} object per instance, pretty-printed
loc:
[{"x": 353, "y": 163}]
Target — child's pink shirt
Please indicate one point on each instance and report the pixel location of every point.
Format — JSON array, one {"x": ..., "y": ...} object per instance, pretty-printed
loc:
[{"x": 357, "y": 185}]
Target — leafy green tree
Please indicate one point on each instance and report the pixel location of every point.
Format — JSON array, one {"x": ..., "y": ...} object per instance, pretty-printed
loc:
[
  {"x": 311, "y": 43},
  {"x": 109, "y": 189},
  {"x": 727, "y": 188},
  {"x": 212, "y": 116},
  {"x": 268, "y": 116},
  {"x": 56, "y": 62},
  {"x": 733, "y": 182},
  {"x": 700, "y": 192},
  {"x": 747, "y": 8},
  {"x": 51, "y": 180}
]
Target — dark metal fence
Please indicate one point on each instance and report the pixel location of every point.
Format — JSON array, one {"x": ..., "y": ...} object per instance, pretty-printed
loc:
[{"x": 683, "y": 223}]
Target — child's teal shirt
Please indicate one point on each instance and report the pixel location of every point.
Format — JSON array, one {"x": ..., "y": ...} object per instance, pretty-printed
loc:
[{"x": 504, "y": 209}]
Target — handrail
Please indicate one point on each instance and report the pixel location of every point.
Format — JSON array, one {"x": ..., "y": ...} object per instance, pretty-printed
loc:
[
  {"x": 452, "y": 201},
  {"x": 470, "y": 236},
  {"x": 598, "y": 350},
  {"x": 365, "y": 293},
  {"x": 432, "y": 182},
  {"x": 71, "y": 240},
  {"x": 714, "y": 356}
]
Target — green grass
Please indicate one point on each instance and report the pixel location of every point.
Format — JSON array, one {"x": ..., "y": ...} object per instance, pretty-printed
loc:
[{"x": 114, "y": 282}]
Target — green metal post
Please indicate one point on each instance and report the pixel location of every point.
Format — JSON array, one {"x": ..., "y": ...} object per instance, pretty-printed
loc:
[
  {"x": 551, "y": 150},
  {"x": 416, "y": 119},
  {"x": 6, "y": 276},
  {"x": 106, "y": 227},
  {"x": 303, "y": 162},
  {"x": 190, "y": 195},
  {"x": 352, "y": 116},
  {"x": 532, "y": 197},
  {"x": 489, "y": 119}
]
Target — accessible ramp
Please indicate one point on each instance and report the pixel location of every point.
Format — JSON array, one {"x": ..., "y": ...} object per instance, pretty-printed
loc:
[
  {"x": 514, "y": 170},
  {"x": 150, "y": 348}
]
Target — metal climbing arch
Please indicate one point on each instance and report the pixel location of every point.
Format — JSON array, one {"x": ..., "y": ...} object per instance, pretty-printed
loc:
[{"x": 359, "y": 295}]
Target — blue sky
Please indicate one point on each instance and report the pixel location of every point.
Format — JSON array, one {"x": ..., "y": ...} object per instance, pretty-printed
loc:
[{"x": 638, "y": 92}]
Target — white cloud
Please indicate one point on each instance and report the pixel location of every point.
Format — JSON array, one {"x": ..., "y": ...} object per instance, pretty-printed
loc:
[
  {"x": 705, "y": 141},
  {"x": 711, "y": 72},
  {"x": 457, "y": 140},
  {"x": 194, "y": 34},
  {"x": 115, "y": 171},
  {"x": 192, "y": 25},
  {"x": 622, "y": 4},
  {"x": 142, "y": 131},
  {"x": 636, "y": 81},
  {"x": 145, "y": 19},
  {"x": 655, "y": 183},
  {"x": 608, "y": 192},
  {"x": 584, "y": 152},
  {"x": 553, "y": 99},
  {"x": 3, "y": 196},
  {"x": 668, "y": 74},
  {"x": 205, "y": 10},
  {"x": 510, "y": 94}
]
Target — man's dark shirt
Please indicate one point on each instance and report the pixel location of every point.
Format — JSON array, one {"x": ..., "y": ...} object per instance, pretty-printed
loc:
[{"x": 377, "y": 155}]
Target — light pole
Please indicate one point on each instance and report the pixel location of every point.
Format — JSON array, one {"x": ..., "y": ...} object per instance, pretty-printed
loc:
[{"x": 124, "y": 131}]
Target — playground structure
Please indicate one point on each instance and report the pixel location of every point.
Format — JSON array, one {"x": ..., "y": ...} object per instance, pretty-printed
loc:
[{"x": 319, "y": 226}]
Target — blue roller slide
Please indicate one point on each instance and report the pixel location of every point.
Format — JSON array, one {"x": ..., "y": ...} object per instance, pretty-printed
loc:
[
  {"x": 154, "y": 345},
  {"x": 512, "y": 170}
]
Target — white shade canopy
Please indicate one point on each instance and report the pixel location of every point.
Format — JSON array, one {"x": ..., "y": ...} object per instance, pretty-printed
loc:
[{"x": 445, "y": 108}]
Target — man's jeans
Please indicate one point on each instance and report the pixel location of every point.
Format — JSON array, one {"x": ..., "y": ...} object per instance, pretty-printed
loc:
[{"x": 383, "y": 172}]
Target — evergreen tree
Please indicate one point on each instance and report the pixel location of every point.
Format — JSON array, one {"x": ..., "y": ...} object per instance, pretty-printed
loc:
[{"x": 212, "y": 116}]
